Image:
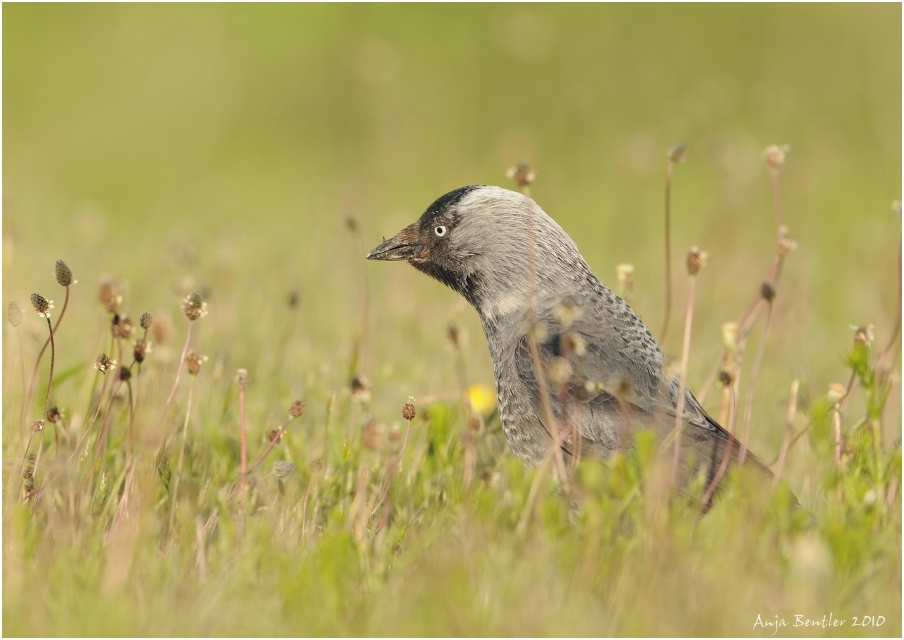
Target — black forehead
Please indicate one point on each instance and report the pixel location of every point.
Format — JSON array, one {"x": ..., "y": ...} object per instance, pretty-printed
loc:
[{"x": 443, "y": 204}]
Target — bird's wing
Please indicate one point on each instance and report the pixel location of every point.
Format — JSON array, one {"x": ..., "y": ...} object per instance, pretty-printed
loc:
[{"x": 604, "y": 374}]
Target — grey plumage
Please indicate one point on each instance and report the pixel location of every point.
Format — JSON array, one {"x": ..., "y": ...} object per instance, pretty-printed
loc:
[{"x": 522, "y": 273}]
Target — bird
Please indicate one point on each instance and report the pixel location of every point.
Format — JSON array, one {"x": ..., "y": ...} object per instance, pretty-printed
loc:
[{"x": 575, "y": 366}]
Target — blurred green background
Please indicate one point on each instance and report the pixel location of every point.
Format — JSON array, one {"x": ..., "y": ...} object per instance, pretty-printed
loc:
[{"x": 224, "y": 146}]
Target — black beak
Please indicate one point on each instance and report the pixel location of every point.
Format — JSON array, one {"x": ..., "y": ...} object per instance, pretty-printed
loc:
[{"x": 403, "y": 246}]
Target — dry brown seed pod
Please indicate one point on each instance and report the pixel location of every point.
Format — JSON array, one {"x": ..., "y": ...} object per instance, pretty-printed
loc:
[
  {"x": 194, "y": 361},
  {"x": 54, "y": 414},
  {"x": 522, "y": 174},
  {"x": 194, "y": 306},
  {"x": 41, "y": 304},
  {"x": 774, "y": 155},
  {"x": 370, "y": 436},
  {"x": 677, "y": 153},
  {"x": 104, "y": 363},
  {"x": 696, "y": 260},
  {"x": 15, "y": 314},
  {"x": 63, "y": 274},
  {"x": 283, "y": 468},
  {"x": 141, "y": 348}
]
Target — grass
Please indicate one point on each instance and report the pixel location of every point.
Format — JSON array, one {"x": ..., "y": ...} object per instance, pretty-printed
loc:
[
  {"x": 180, "y": 164},
  {"x": 358, "y": 525}
]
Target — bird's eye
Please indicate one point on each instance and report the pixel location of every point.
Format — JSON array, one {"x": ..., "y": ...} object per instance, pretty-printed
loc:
[{"x": 440, "y": 231}]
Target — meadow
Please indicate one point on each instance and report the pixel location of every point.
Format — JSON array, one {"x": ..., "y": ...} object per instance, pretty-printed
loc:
[{"x": 308, "y": 445}]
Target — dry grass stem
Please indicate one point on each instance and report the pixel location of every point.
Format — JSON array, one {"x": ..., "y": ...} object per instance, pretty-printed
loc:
[
  {"x": 726, "y": 456},
  {"x": 789, "y": 430}
]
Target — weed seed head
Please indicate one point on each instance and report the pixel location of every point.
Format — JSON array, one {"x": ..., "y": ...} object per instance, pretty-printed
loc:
[
  {"x": 677, "y": 153},
  {"x": 297, "y": 409},
  {"x": 121, "y": 326},
  {"x": 241, "y": 376},
  {"x": 566, "y": 313},
  {"x": 41, "y": 304},
  {"x": 125, "y": 374},
  {"x": 162, "y": 329},
  {"x": 283, "y": 468},
  {"x": 730, "y": 337},
  {"x": 370, "y": 436},
  {"x": 575, "y": 344},
  {"x": 316, "y": 466},
  {"x": 625, "y": 275},
  {"x": 63, "y": 274},
  {"x": 863, "y": 336},
  {"x": 836, "y": 392},
  {"x": 560, "y": 371},
  {"x": 360, "y": 388},
  {"x": 54, "y": 414},
  {"x": 194, "y": 361},
  {"x": 109, "y": 295},
  {"x": 275, "y": 436},
  {"x": 104, "y": 364},
  {"x": 194, "y": 306},
  {"x": 141, "y": 348},
  {"x": 146, "y": 320},
  {"x": 38, "y": 425},
  {"x": 696, "y": 260},
  {"x": 767, "y": 291},
  {"x": 453, "y": 335},
  {"x": 785, "y": 244},
  {"x": 774, "y": 155},
  {"x": 726, "y": 377},
  {"x": 522, "y": 174},
  {"x": 408, "y": 411},
  {"x": 15, "y": 314}
]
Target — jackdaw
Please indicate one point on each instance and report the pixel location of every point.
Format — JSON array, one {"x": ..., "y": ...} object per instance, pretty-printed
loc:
[{"x": 554, "y": 329}]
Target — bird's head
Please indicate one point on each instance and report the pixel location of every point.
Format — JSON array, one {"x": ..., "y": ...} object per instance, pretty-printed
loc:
[{"x": 493, "y": 246}]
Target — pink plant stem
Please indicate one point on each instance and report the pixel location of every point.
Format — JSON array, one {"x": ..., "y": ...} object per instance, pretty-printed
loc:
[
  {"x": 668, "y": 252},
  {"x": 394, "y": 466},
  {"x": 897, "y": 330},
  {"x": 836, "y": 418},
  {"x": 777, "y": 198},
  {"x": 685, "y": 357},
  {"x": 46, "y": 397},
  {"x": 726, "y": 455},
  {"x": 748, "y": 406},
  {"x": 789, "y": 424},
  {"x": 172, "y": 392},
  {"x": 34, "y": 373},
  {"x": 273, "y": 442},
  {"x": 172, "y": 523},
  {"x": 24, "y": 381},
  {"x": 84, "y": 437},
  {"x": 242, "y": 432}
]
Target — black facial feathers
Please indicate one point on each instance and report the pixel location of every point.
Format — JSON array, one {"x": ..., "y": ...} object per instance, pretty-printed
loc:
[{"x": 443, "y": 204}]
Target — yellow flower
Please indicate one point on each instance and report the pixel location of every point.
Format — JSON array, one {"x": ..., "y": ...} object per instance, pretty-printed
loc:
[{"x": 482, "y": 398}]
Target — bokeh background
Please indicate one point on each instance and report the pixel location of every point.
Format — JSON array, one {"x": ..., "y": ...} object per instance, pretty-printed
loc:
[{"x": 226, "y": 147}]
